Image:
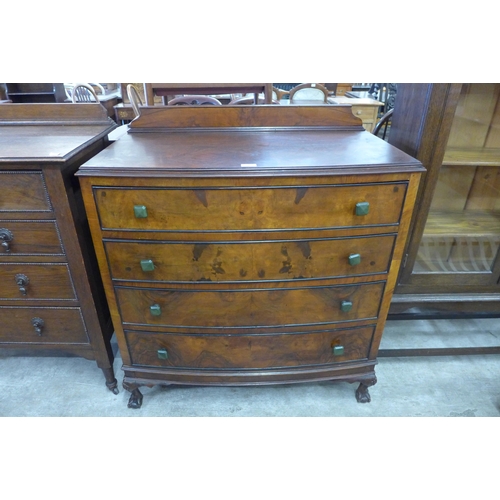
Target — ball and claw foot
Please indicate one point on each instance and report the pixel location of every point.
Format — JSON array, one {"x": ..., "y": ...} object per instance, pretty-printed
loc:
[
  {"x": 135, "y": 400},
  {"x": 362, "y": 394}
]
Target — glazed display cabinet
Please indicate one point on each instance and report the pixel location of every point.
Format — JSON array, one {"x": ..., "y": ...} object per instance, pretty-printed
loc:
[{"x": 451, "y": 264}]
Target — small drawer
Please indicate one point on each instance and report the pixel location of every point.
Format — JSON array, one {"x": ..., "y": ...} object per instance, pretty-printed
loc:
[
  {"x": 245, "y": 209},
  {"x": 37, "y": 325},
  {"x": 36, "y": 281},
  {"x": 250, "y": 261},
  {"x": 23, "y": 192},
  {"x": 249, "y": 308},
  {"x": 365, "y": 112},
  {"x": 249, "y": 351},
  {"x": 29, "y": 238}
]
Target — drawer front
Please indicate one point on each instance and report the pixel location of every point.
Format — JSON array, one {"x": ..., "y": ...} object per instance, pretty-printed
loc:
[
  {"x": 252, "y": 261},
  {"x": 248, "y": 209},
  {"x": 29, "y": 238},
  {"x": 23, "y": 192},
  {"x": 36, "y": 281},
  {"x": 248, "y": 351},
  {"x": 368, "y": 113},
  {"x": 57, "y": 325},
  {"x": 248, "y": 308}
]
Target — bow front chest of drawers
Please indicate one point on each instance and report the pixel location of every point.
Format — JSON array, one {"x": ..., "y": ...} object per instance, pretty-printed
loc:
[
  {"x": 249, "y": 245},
  {"x": 51, "y": 297}
]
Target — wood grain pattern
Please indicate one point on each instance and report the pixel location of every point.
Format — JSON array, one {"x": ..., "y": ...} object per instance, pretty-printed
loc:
[
  {"x": 241, "y": 308},
  {"x": 62, "y": 326},
  {"x": 23, "y": 192},
  {"x": 32, "y": 238},
  {"x": 249, "y": 351},
  {"x": 221, "y": 261},
  {"x": 49, "y": 281},
  {"x": 249, "y": 209}
]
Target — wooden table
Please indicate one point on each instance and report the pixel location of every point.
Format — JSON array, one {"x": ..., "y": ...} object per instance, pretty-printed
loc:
[
  {"x": 166, "y": 89},
  {"x": 363, "y": 107}
]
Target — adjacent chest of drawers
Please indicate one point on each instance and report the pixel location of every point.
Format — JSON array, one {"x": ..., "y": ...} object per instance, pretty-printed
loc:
[
  {"x": 51, "y": 299},
  {"x": 249, "y": 246}
]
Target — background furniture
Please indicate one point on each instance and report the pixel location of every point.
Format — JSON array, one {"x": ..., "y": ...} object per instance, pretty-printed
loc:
[
  {"x": 364, "y": 108},
  {"x": 51, "y": 298},
  {"x": 194, "y": 100},
  {"x": 239, "y": 257},
  {"x": 171, "y": 89},
  {"x": 451, "y": 265},
  {"x": 35, "y": 92},
  {"x": 82, "y": 92},
  {"x": 309, "y": 92}
]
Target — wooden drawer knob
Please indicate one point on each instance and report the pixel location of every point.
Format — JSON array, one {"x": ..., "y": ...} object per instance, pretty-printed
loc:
[
  {"x": 140, "y": 211},
  {"x": 362, "y": 208},
  {"x": 162, "y": 354},
  {"x": 345, "y": 305},
  {"x": 354, "y": 259},
  {"x": 338, "y": 350},
  {"x": 147, "y": 265},
  {"x": 155, "y": 310}
]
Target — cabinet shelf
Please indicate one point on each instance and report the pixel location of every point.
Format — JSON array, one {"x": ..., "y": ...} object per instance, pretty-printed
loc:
[
  {"x": 488, "y": 157},
  {"x": 472, "y": 223}
]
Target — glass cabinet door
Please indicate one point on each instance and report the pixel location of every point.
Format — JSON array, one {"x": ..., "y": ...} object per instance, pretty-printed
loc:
[{"x": 462, "y": 231}]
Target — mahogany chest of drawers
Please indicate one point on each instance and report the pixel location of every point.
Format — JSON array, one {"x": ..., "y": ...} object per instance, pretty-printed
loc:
[
  {"x": 249, "y": 245},
  {"x": 52, "y": 300}
]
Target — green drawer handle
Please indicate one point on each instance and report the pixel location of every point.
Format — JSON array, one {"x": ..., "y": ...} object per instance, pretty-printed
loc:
[
  {"x": 354, "y": 259},
  {"x": 362, "y": 208},
  {"x": 338, "y": 350},
  {"x": 155, "y": 310},
  {"x": 162, "y": 354},
  {"x": 140, "y": 211},
  {"x": 147, "y": 265},
  {"x": 345, "y": 305}
]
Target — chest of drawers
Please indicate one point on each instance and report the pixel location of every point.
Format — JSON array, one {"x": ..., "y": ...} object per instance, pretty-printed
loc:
[
  {"x": 52, "y": 300},
  {"x": 249, "y": 246}
]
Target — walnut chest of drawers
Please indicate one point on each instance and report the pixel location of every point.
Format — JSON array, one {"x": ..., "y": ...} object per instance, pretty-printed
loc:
[
  {"x": 249, "y": 245},
  {"x": 52, "y": 300}
]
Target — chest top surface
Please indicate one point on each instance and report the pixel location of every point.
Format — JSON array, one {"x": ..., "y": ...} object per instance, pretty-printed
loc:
[
  {"x": 246, "y": 144},
  {"x": 49, "y": 132}
]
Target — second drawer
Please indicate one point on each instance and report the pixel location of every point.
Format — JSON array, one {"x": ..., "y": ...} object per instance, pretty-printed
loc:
[{"x": 250, "y": 261}]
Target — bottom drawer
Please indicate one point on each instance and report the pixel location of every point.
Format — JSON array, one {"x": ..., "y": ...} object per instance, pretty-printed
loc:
[
  {"x": 35, "y": 325},
  {"x": 248, "y": 351}
]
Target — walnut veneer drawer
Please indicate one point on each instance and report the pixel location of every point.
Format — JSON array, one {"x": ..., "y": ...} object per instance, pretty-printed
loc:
[
  {"x": 23, "y": 192},
  {"x": 248, "y": 351},
  {"x": 249, "y": 261},
  {"x": 243, "y": 308},
  {"x": 29, "y": 238},
  {"x": 36, "y": 281},
  {"x": 245, "y": 209},
  {"x": 57, "y": 325}
]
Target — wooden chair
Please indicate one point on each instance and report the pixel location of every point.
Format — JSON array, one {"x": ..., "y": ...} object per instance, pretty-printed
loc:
[
  {"x": 309, "y": 92},
  {"x": 384, "y": 123},
  {"x": 278, "y": 94},
  {"x": 83, "y": 92},
  {"x": 249, "y": 100},
  {"x": 194, "y": 100},
  {"x": 134, "y": 98}
]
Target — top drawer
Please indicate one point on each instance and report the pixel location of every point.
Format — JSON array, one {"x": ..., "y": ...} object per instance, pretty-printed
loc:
[
  {"x": 247, "y": 209},
  {"x": 20, "y": 192}
]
